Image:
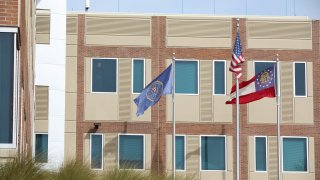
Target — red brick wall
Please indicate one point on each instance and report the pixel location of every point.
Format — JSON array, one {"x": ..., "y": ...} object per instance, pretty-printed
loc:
[
  {"x": 158, "y": 127},
  {"x": 9, "y": 12}
]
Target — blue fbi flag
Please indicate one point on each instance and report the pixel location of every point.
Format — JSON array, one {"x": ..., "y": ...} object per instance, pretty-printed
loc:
[{"x": 151, "y": 94}]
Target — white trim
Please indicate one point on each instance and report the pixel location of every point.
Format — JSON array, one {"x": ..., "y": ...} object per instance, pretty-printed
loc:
[
  {"x": 9, "y": 29},
  {"x": 15, "y": 93},
  {"x": 254, "y": 156},
  {"x": 185, "y": 153},
  {"x": 34, "y": 146},
  {"x": 132, "y": 73},
  {"x": 117, "y": 73},
  {"x": 307, "y": 150},
  {"x": 198, "y": 69},
  {"x": 144, "y": 148},
  {"x": 102, "y": 150},
  {"x": 305, "y": 78},
  {"x": 225, "y": 153},
  {"x": 225, "y": 78}
]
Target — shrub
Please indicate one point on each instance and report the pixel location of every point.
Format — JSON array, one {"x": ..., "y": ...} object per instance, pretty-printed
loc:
[
  {"x": 122, "y": 174},
  {"x": 21, "y": 169},
  {"x": 74, "y": 170}
]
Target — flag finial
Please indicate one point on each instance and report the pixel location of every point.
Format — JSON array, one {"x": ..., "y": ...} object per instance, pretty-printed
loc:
[{"x": 238, "y": 22}]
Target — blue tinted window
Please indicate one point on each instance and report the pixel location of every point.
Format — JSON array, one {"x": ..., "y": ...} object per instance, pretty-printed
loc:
[
  {"x": 104, "y": 75},
  {"x": 138, "y": 75},
  {"x": 186, "y": 77},
  {"x": 6, "y": 86},
  {"x": 294, "y": 154},
  {"x": 180, "y": 152},
  {"x": 261, "y": 159},
  {"x": 219, "y": 77},
  {"x": 131, "y": 152},
  {"x": 41, "y": 149},
  {"x": 300, "y": 79},
  {"x": 96, "y": 151},
  {"x": 260, "y": 66},
  {"x": 213, "y": 153}
]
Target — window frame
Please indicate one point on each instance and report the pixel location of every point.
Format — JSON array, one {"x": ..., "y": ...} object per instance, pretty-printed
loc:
[
  {"x": 225, "y": 78},
  {"x": 198, "y": 74},
  {"x": 185, "y": 153},
  {"x": 294, "y": 79},
  {"x": 90, "y": 149},
  {"x": 16, "y": 85},
  {"x": 225, "y": 150},
  {"x": 144, "y": 150},
  {"x": 132, "y": 73},
  {"x": 117, "y": 73},
  {"x": 307, "y": 150},
  {"x": 267, "y": 152},
  {"x": 34, "y": 147}
]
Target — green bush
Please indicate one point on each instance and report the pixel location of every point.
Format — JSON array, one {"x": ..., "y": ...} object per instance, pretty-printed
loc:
[
  {"x": 127, "y": 174},
  {"x": 74, "y": 170},
  {"x": 29, "y": 169},
  {"x": 22, "y": 169},
  {"x": 123, "y": 174}
]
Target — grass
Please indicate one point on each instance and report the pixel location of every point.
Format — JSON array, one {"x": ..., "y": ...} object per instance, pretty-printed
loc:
[
  {"x": 74, "y": 170},
  {"x": 29, "y": 169},
  {"x": 21, "y": 169}
]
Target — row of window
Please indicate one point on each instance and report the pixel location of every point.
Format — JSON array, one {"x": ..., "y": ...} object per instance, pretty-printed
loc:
[
  {"x": 104, "y": 76},
  {"x": 213, "y": 153},
  {"x": 294, "y": 156}
]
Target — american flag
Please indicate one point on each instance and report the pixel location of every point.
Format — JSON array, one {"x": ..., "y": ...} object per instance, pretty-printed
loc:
[{"x": 237, "y": 58}]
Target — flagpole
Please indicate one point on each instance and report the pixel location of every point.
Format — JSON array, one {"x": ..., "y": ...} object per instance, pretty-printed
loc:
[
  {"x": 278, "y": 118},
  {"x": 173, "y": 120},
  {"x": 237, "y": 111},
  {"x": 237, "y": 107}
]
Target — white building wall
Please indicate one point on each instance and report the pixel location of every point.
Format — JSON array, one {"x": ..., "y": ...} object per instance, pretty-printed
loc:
[{"x": 50, "y": 71}]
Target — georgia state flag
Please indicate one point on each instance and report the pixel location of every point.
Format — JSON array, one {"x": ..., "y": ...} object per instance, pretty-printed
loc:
[{"x": 260, "y": 86}]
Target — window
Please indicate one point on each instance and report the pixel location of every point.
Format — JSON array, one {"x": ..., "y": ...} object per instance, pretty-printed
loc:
[
  {"x": 104, "y": 75},
  {"x": 138, "y": 75},
  {"x": 213, "y": 153},
  {"x": 180, "y": 152},
  {"x": 8, "y": 87},
  {"x": 260, "y": 66},
  {"x": 261, "y": 153},
  {"x": 186, "y": 77},
  {"x": 300, "y": 84},
  {"x": 219, "y": 76},
  {"x": 96, "y": 151},
  {"x": 41, "y": 148},
  {"x": 131, "y": 151},
  {"x": 295, "y": 156}
]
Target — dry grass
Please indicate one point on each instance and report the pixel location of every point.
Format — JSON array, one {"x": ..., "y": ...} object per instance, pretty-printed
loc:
[
  {"x": 29, "y": 169},
  {"x": 21, "y": 169}
]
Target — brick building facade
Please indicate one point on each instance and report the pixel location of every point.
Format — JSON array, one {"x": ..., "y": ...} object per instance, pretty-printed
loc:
[{"x": 108, "y": 117}]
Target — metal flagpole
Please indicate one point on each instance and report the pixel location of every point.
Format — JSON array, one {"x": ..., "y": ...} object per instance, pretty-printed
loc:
[
  {"x": 173, "y": 120},
  {"x": 238, "y": 134},
  {"x": 237, "y": 109},
  {"x": 278, "y": 118}
]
